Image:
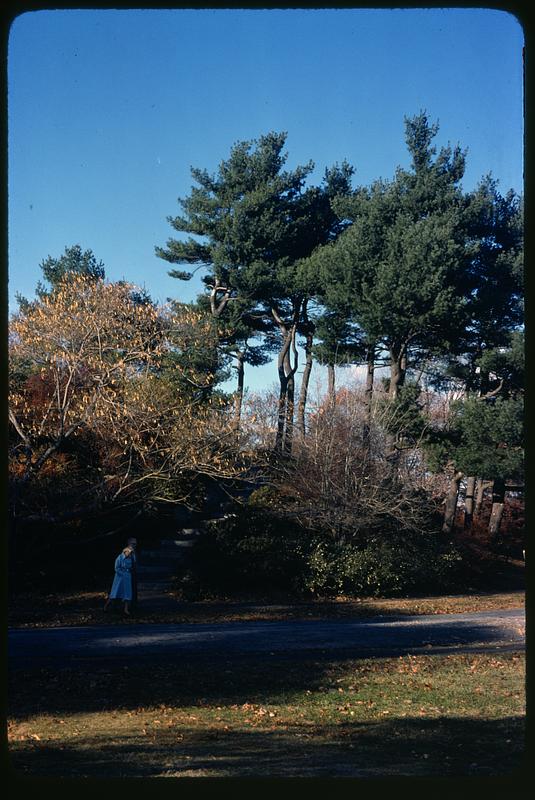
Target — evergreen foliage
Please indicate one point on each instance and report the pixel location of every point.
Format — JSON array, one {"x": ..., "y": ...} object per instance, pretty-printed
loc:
[
  {"x": 492, "y": 283},
  {"x": 74, "y": 261},
  {"x": 339, "y": 341},
  {"x": 398, "y": 265},
  {"x": 258, "y": 225}
]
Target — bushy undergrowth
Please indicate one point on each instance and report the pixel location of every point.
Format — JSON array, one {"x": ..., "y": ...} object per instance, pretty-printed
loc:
[
  {"x": 257, "y": 552},
  {"x": 387, "y": 565}
]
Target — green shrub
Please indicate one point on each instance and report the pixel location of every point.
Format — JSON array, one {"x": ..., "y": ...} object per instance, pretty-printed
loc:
[
  {"x": 385, "y": 566},
  {"x": 249, "y": 552},
  {"x": 258, "y": 552}
]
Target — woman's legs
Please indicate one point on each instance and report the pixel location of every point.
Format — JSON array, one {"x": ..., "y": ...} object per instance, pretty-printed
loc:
[{"x": 127, "y": 606}]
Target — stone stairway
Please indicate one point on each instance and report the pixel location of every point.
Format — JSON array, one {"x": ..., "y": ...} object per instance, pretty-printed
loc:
[{"x": 158, "y": 565}]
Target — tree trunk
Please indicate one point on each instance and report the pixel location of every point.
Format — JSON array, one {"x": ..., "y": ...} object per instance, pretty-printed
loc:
[
  {"x": 368, "y": 395},
  {"x": 484, "y": 383},
  {"x": 368, "y": 390},
  {"x": 301, "y": 408},
  {"x": 283, "y": 440},
  {"x": 283, "y": 390},
  {"x": 290, "y": 404},
  {"x": 498, "y": 498},
  {"x": 495, "y": 519},
  {"x": 331, "y": 385},
  {"x": 238, "y": 399},
  {"x": 469, "y": 502},
  {"x": 480, "y": 491},
  {"x": 451, "y": 503},
  {"x": 217, "y": 306},
  {"x": 281, "y": 416},
  {"x": 397, "y": 378},
  {"x": 398, "y": 367}
]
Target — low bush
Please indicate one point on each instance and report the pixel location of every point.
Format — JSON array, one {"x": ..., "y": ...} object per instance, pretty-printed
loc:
[
  {"x": 388, "y": 565},
  {"x": 249, "y": 552},
  {"x": 257, "y": 552}
]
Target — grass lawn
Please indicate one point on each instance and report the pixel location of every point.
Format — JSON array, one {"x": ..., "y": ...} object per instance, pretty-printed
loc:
[{"x": 455, "y": 715}]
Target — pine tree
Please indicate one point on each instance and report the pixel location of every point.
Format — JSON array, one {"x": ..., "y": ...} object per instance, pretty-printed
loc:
[
  {"x": 258, "y": 223},
  {"x": 399, "y": 263},
  {"x": 484, "y": 436},
  {"x": 493, "y": 283},
  {"x": 74, "y": 261},
  {"x": 488, "y": 356}
]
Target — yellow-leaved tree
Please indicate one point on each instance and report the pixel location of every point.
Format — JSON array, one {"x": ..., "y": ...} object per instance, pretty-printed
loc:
[{"x": 98, "y": 409}]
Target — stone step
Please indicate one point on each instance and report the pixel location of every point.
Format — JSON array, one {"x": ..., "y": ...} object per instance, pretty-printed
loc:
[
  {"x": 151, "y": 586},
  {"x": 161, "y": 561},
  {"x": 155, "y": 569},
  {"x": 162, "y": 556},
  {"x": 178, "y": 541},
  {"x": 166, "y": 568},
  {"x": 147, "y": 590},
  {"x": 165, "y": 560},
  {"x": 167, "y": 547}
]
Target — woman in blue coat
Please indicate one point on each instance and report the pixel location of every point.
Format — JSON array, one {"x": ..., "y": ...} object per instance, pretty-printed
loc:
[{"x": 121, "y": 588}]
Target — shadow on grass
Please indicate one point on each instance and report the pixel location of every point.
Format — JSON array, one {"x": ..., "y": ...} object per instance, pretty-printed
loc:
[
  {"x": 199, "y": 681},
  {"x": 397, "y": 747}
]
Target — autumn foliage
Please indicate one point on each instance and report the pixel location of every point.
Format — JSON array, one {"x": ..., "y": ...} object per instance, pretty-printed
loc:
[{"x": 99, "y": 406}]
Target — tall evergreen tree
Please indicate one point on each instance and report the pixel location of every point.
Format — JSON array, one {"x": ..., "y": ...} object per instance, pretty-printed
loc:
[
  {"x": 488, "y": 355},
  {"x": 258, "y": 223},
  {"x": 493, "y": 283},
  {"x": 74, "y": 261},
  {"x": 400, "y": 261},
  {"x": 484, "y": 435}
]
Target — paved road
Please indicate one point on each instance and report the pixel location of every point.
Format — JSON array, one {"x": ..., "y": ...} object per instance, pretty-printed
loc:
[{"x": 376, "y": 636}]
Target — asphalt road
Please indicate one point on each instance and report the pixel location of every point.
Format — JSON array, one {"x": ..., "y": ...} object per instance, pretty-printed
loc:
[{"x": 379, "y": 636}]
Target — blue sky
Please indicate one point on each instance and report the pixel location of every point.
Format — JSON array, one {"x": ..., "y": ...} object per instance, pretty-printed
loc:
[{"x": 108, "y": 110}]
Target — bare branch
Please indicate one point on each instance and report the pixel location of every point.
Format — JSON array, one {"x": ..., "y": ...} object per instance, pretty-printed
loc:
[
  {"x": 18, "y": 428},
  {"x": 492, "y": 393}
]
